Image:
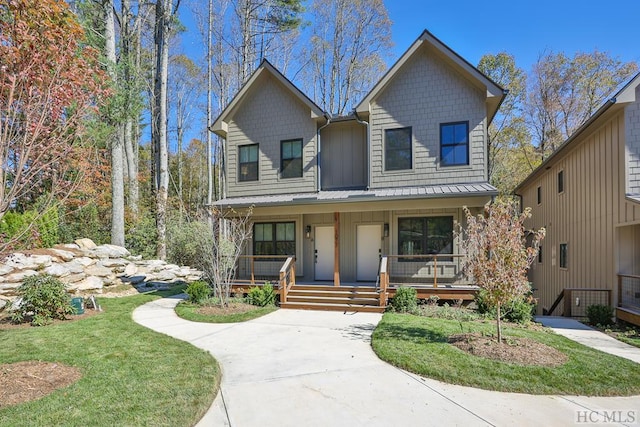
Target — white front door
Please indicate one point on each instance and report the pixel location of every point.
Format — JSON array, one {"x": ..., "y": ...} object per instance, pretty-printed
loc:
[
  {"x": 324, "y": 253},
  {"x": 369, "y": 248}
]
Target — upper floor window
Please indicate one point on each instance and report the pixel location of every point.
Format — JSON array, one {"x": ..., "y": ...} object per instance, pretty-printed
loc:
[
  {"x": 291, "y": 158},
  {"x": 539, "y": 195},
  {"x": 248, "y": 165},
  {"x": 397, "y": 149},
  {"x": 425, "y": 235},
  {"x": 560, "y": 181},
  {"x": 454, "y": 144},
  {"x": 274, "y": 238}
]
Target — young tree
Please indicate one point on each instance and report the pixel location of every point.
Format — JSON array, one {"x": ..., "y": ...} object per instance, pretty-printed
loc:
[
  {"x": 497, "y": 257},
  {"x": 222, "y": 249},
  {"x": 50, "y": 84}
]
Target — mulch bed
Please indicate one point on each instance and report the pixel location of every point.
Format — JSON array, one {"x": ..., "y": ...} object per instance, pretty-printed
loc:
[
  {"x": 520, "y": 351},
  {"x": 26, "y": 381},
  {"x": 5, "y": 321},
  {"x": 232, "y": 308}
]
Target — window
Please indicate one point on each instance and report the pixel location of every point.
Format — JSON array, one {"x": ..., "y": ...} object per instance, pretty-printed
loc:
[
  {"x": 560, "y": 181},
  {"x": 425, "y": 236},
  {"x": 274, "y": 238},
  {"x": 291, "y": 158},
  {"x": 540, "y": 254},
  {"x": 454, "y": 143},
  {"x": 563, "y": 255},
  {"x": 248, "y": 165},
  {"x": 397, "y": 149},
  {"x": 539, "y": 195}
]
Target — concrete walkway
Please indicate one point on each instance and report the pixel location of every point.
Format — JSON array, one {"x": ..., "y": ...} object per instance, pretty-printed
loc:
[{"x": 293, "y": 368}]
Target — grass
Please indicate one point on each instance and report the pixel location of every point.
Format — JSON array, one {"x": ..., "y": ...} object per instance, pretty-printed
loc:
[
  {"x": 188, "y": 311},
  {"x": 419, "y": 344},
  {"x": 131, "y": 375},
  {"x": 629, "y": 334}
]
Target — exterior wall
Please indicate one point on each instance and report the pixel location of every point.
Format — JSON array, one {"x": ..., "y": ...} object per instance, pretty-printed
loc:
[
  {"x": 270, "y": 114},
  {"x": 632, "y": 136},
  {"x": 343, "y": 156},
  {"x": 425, "y": 93},
  {"x": 585, "y": 215}
]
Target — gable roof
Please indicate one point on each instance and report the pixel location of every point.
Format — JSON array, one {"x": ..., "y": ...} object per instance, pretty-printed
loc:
[
  {"x": 495, "y": 93},
  {"x": 220, "y": 125},
  {"x": 624, "y": 96}
]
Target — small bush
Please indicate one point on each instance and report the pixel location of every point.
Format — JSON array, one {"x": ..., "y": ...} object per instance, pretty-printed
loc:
[
  {"x": 405, "y": 300},
  {"x": 198, "y": 291},
  {"x": 519, "y": 310},
  {"x": 184, "y": 242},
  {"x": 141, "y": 237},
  {"x": 262, "y": 296},
  {"x": 599, "y": 314},
  {"x": 43, "y": 298}
]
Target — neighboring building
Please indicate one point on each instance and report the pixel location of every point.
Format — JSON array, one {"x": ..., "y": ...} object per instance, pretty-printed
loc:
[
  {"x": 389, "y": 179},
  {"x": 587, "y": 196}
]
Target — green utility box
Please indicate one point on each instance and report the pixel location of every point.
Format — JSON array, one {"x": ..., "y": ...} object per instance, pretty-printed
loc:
[{"x": 78, "y": 304}]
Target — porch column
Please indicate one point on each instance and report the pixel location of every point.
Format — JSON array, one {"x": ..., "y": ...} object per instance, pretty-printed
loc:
[{"x": 336, "y": 249}]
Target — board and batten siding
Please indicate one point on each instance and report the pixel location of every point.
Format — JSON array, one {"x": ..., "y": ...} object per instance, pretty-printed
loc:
[
  {"x": 271, "y": 114},
  {"x": 586, "y": 215},
  {"x": 343, "y": 155},
  {"x": 425, "y": 93}
]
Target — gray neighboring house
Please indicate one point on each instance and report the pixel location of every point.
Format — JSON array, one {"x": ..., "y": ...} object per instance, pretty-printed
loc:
[
  {"x": 587, "y": 195},
  {"x": 388, "y": 180}
]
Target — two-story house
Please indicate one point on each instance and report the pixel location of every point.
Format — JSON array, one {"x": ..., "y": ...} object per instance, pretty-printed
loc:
[
  {"x": 587, "y": 196},
  {"x": 390, "y": 179}
]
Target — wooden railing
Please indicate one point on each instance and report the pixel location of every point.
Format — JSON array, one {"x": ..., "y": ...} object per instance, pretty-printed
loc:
[
  {"x": 579, "y": 297},
  {"x": 287, "y": 278},
  {"x": 629, "y": 291},
  {"x": 383, "y": 280},
  {"x": 423, "y": 269},
  {"x": 259, "y": 268}
]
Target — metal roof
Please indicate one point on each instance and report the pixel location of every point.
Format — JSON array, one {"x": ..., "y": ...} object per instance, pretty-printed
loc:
[{"x": 351, "y": 196}]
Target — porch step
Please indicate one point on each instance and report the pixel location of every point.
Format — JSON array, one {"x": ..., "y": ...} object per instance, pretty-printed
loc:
[{"x": 334, "y": 298}]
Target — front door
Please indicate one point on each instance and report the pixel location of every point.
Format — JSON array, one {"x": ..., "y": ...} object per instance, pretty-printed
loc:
[
  {"x": 324, "y": 253},
  {"x": 369, "y": 248}
]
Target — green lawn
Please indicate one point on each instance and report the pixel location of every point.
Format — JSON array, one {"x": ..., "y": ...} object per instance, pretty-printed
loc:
[
  {"x": 131, "y": 375},
  {"x": 188, "y": 311},
  {"x": 419, "y": 344}
]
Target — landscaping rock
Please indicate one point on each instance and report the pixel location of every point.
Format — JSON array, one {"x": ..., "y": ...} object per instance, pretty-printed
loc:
[
  {"x": 20, "y": 276},
  {"x": 5, "y": 269},
  {"x": 57, "y": 270},
  {"x": 113, "y": 262},
  {"x": 164, "y": 276},
  {"x": 9, "y": 286},
  {"x": 74, "y": 278},
  {"x": 130, "y": 270},
  {"x": 97, "y": 270},
  {"x": 87, "y": 244},
  {"x": 31, "y": 262},
  {"x": 134, "y": 280},
  {"x": 84, "y": 261},
  {"x": 89, "y": 283},
  {"x": 110, "y": 251},
  {"x": 62, "y": 254},
  {"x": 3, "y": 304}
]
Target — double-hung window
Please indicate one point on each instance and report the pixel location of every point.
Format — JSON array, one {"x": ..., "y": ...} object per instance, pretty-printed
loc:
[
  {"x": 397, "y": 149},
  {"x": 274, "y": 238},
  {"x": 248, "y": 164},
  {"x": 291, "y": 158},
  {"x": 454, "y": 144}
]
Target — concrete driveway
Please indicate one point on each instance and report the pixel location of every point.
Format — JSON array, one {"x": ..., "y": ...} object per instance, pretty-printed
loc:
[{"x": 310, "y": 368}]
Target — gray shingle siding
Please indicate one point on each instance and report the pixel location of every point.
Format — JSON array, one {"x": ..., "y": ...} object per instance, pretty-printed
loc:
[
  {"x": 269, "y": 115},
  {"x": 632, "y": 137},
  {"x": 425, "y": 93}
]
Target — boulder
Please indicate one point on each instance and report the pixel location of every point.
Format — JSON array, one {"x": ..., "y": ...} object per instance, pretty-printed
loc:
[
  {"x": 97, "y": 270},
  {"x": 86, "y": 244},
  {"x": 31, "y": 262},
  {"x": 84, "y": 261},
  {"x": 62, "y": 254},
  {"x": 8, "y": 286},
  {"x": 110, "y": 251},
  {"x": 89, "y": 283},
  {"x": 164, "y": 276},
  {"x": 113, "y": 262},
  {"x": 3, "y": 304},
  {"x": 74, "y": 278},
  {"x": 57, "y": 270},
  {"x": 19, "y": 276},
  {"x": 74, "y": 267},
  {"x": 5, "y": 269},
  {"x": 130, "y": 270}
]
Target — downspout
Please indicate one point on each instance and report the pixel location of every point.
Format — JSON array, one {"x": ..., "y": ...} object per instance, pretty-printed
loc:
[
  {"x": 318, "y": 157},
  {"x": 366, "y": 124}
]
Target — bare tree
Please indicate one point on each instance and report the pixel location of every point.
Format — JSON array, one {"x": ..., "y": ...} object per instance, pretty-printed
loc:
[{"x": 349, "y": 44}]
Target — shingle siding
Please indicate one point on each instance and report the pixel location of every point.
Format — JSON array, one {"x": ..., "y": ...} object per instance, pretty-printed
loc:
[
  {"x": 425, "y": 93},
  {"x": 269, "y": 115},
  {"x": 632, "y": 131}
]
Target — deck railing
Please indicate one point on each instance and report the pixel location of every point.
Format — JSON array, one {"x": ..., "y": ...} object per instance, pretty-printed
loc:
[
  {"x": 383, "y": 281},
  {"x": 629, "y": 291},
  {"x": 576, "y": 300},
  {"x": 287, "y": 278},
  {"x": 425, "y": 269},
  {"x": 254, "y": 269}
]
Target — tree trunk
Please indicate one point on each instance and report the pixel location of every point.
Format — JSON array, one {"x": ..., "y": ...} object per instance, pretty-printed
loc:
[
  {"x": 209, "y": 106},
  {"x": 117, "y": 165},
  {"x": 499, "y": 320}
]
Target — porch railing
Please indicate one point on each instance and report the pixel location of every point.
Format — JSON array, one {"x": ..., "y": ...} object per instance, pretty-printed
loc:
[
  {"x": 254, "y": 269},
  {"x": 576, "y": 300},
  {"x": 383, "y": 281},
  {"x": 629, "y": 291},
  {"x": 425, "y": 269},
  {"x": 287, "y": 278}
]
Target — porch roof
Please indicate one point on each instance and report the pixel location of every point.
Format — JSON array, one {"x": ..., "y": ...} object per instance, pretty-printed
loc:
[{"x": 482, "y": 189}]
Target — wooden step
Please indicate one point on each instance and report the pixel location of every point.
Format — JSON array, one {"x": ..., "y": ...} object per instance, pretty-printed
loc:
[
  {"x": 336, "y": 294},
  {"x": 333, "y": 300},
  {"x": 335, "y": 288},
  {"x": 332, "y": 307}
]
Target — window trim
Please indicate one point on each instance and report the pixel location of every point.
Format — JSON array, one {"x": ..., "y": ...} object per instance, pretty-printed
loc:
[
  {"x": 240, "y": 163},
  {"x": 410, "y": 128},
  {"x": 425, "y": 237},
  {"x": 564, "y": 265},
  {"x": 560, "y": 181},
  {"x": 273, "y": 240},
  {"x": 282, "y": 159},
  {"x": 467, "y": 144}
]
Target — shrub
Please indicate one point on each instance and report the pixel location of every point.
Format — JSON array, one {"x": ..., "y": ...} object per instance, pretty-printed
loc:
[
  {"x": 405, "y": 300},
  {"x": 184, "y": 242},
  {"x": 198, "y": 291},
  {"x": 262, "y": 296},
  {"x": 599, "y": 314},
  {"x": 141, "y": 237},
  {"x": 519, "y": 310},
  {"x": 43, "y": 298}
]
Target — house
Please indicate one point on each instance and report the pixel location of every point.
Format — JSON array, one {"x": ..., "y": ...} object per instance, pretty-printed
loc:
[
  {"x": 376, "y": 191},
  {"x": 587, "y": 196}
]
